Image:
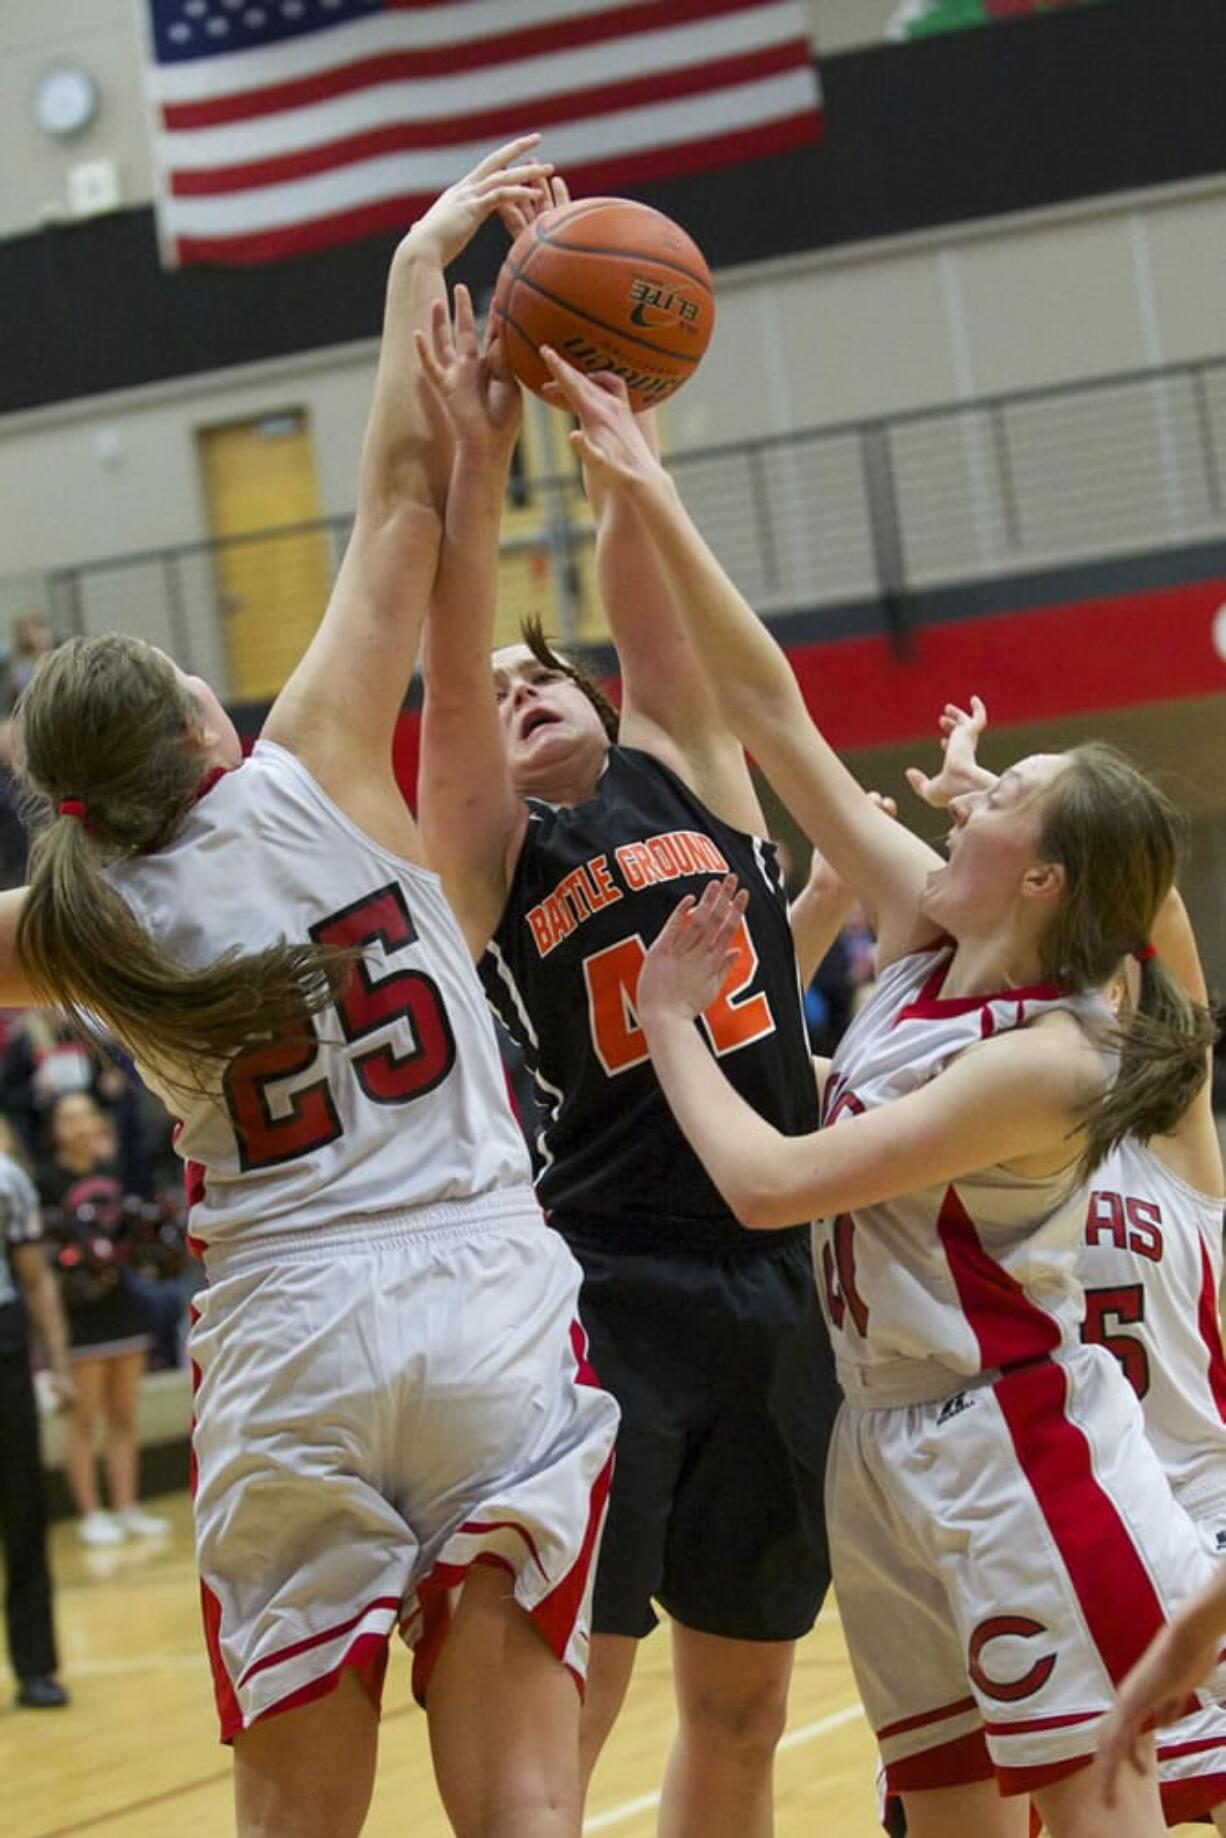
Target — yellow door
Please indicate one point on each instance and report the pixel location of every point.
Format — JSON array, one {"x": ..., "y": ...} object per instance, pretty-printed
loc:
[{"x": 273, "y": 578}]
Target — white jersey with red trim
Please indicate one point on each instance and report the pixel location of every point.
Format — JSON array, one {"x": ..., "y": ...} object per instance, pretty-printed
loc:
[
  {"x": 1151, "y": 1264},
  {"x": 968, "y": 1276},
  {"x": 397, "y": 1101}
]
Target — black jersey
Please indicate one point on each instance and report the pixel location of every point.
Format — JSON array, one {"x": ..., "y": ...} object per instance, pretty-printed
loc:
[{"x": 594, "y": 884}]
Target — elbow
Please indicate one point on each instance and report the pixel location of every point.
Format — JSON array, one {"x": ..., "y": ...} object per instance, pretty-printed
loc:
[{"x": 759, "y": 1208}]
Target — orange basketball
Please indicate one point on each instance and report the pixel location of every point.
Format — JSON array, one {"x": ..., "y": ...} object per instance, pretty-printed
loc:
[{"x": 610, "y": 285}]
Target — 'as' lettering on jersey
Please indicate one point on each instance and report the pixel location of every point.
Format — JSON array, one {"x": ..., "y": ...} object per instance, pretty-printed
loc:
[{"x": 598, "y": 883}]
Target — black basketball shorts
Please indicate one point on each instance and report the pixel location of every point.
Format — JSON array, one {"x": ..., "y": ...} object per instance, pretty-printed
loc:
[{"x": 721, "y": 1364}]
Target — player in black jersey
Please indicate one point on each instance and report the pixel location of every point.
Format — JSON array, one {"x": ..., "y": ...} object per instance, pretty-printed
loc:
[{"x": 564, "y": 840}]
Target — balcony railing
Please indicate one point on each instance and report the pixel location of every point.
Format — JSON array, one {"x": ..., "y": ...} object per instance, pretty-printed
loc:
[{"x": 867, "y": 511}]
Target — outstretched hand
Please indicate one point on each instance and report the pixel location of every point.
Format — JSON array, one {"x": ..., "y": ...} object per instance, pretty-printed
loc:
[
  {"x": 482, "y": 400},
  {"x": 609, "y": 440},
  {"x": 1156, "y": 1691},
  {"x": 685, "y": 968},
  {"x": 550, "y": 195},
  {"x": 507, "y": 181},
  {"x": 960, "y": 768}
]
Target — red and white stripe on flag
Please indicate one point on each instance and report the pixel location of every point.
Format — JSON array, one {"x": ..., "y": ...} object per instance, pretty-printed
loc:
[{"x": 282, "y": 126}]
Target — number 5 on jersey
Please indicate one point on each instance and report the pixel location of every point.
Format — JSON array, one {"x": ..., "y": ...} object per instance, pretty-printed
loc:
[{"x": 612, "y": 980}]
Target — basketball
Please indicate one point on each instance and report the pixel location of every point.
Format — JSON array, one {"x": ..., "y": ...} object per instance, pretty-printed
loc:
[{"x": 611, "y": 285}]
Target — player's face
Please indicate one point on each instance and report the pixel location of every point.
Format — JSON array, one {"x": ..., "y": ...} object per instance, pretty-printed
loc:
[
  {"x": 993, "y": 849},
  {"x": 553, "y": 735}
]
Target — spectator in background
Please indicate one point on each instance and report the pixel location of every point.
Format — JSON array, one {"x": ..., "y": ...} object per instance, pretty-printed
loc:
[
  {"x": 28, "y": 1293},
  {"x": 14, "y": 837},
  {"x": 45, "y": 1060},
  {"x": 30, "y": 642},
  {"x": 84, "y": 1215},
  {"x": 152, "y": 1246}
]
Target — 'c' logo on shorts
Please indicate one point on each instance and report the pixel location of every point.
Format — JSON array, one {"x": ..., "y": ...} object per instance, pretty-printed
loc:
[{"x": 1008, "y": 1692}]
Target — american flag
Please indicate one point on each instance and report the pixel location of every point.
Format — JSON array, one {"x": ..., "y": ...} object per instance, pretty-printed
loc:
[{"x": 286, "y": 125}]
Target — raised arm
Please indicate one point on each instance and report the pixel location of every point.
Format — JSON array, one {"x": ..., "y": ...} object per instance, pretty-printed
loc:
[
  {"x": 15, "y": 991},
  {"x": 819, "y": 911},
  {"x": 1016, "y": 1099},
  {"x": 471, "y": 819},
  {"x": 817, "y": 916},
  {"x": 667, "y": 706},
  {"x": 339, "y": 709},
  {"x": 756, "y": 693}
]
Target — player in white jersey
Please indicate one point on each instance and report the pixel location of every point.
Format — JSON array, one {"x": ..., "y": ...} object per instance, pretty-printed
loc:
[
  {"x": 1151, "y": 1266},
  {"x": 395, "y": 1423},
  {"x": 1003, "y": 1539}
]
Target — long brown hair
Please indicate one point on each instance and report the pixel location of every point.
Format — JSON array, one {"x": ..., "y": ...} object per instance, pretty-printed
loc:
[
  {"x": 1118, "y": 839},
  {"x": 534, "y": 637},
  {"x": 107, "y": 723}
]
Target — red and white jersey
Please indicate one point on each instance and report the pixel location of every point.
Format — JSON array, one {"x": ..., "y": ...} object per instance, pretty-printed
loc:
[
  {"x": 965, "y": 1277},
  {"x": 398, "y": 1100},
  {"x": 1151, "y": 1264}
]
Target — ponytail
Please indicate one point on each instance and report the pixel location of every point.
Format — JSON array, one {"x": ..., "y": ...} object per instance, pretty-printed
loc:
[
  {"x": 83, "y": 951},
  {"x": 1164, "y": 1048},
  {"x": 1118, "y": 839},
  {"x": 108, "y": 733}
]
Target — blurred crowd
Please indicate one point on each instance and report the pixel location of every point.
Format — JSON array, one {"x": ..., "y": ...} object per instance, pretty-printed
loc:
[
  {"x": 109, "y": 1188},
  {"x": 95, "y": 1281}
]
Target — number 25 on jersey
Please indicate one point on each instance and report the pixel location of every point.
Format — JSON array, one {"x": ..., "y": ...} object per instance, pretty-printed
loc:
[
  {"x": 611, "y": 977},
  {"x": 306, "y": 1118}
]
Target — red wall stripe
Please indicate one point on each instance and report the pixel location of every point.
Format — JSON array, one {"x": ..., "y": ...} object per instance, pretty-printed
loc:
[
  {"x": 1036, "y": 665},
  {"x": 1029, "y": 665}
]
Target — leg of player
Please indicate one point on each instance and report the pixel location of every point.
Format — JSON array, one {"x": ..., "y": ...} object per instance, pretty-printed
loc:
[
  {"x": 504, "y": 1721},
  {"x": 610, "y": 1665},
  {"x": 732, "y": 1700},
  {"x": 309, "y": 1771},
  {"x": 1073, "y": 1807},
  {"x": 976, "y": 1807}
]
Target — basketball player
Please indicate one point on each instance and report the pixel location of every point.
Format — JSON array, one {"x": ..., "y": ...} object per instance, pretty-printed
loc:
[
  {"x": 1151, "y": 1265},
  {"x": 395, "y": 1423},
  {"x": 563, "y": 836},
  {"x": 1003, "y": 1539}
]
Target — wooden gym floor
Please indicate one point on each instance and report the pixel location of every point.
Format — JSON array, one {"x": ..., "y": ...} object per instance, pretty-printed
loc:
[{"x": 136, "y": 1755}]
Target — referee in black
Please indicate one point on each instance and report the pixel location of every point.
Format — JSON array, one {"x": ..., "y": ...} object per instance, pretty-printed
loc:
[{"x": 28, "y": 1291}]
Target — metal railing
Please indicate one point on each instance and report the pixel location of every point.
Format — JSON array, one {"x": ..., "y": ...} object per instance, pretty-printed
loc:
[{"x": 865, "y": 511}]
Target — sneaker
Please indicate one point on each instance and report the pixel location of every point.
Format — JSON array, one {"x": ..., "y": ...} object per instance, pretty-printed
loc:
[
  {"x": 100, "y": 1528},
  {"x": 139, "y": 1524},
  {"x": 41, "y": 1693}
]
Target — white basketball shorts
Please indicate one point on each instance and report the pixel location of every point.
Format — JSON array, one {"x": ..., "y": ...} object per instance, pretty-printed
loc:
[
  {"x": 1001, "y": 1558},
  {"x": 379, "y": 1406},
  {"x": 1192, "y": 1752}
]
